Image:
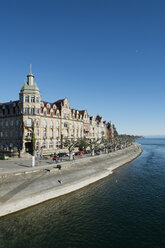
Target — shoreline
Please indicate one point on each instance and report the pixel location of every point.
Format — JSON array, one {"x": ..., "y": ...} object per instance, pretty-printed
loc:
[{"x": 95, "y": 169}]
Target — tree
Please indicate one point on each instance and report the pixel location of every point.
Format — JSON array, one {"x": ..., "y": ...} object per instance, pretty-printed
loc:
[
  {"x": 105, "y": 143},
  {"x": 82, "y": 145},
  {"x": 115, "y": 131},
  {"x": 93, "y": 144},
  {"x": 71, "y": 144}
]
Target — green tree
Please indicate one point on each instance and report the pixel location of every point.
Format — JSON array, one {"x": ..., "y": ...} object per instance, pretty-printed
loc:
[{"x": 82, "y": 145}]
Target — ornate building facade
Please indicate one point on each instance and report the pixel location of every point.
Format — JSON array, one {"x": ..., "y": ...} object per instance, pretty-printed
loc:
[{"x": 51, "y": 123}]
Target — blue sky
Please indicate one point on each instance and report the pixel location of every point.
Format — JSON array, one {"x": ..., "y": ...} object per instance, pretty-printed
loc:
[{"x": 107, "y": 56}]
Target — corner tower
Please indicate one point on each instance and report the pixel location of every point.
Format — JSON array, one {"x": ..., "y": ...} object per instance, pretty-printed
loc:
[
  {"x": 30, "y": 96},
  {"x": 30, "y": 102}
]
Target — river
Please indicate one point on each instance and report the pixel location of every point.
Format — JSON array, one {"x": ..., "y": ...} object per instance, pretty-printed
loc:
[{"x": 124, "y": 210}]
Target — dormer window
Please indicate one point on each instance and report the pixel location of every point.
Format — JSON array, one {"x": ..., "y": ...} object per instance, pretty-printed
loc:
[
  {"x": 26, "y": 98},
  {"x": 48, "y": 105},
  {"x": 32, "y": 99},
  {"x": 54, "y": 106}
]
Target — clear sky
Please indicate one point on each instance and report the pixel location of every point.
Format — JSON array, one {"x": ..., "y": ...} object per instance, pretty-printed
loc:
[{"x": 106, "y": 56}]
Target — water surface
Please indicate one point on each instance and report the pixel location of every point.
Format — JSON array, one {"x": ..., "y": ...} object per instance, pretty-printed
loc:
[{"x": 124, "y": 210}]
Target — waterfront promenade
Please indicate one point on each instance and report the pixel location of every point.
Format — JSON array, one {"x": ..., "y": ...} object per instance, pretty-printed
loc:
[{"x": 22, "y": 186}]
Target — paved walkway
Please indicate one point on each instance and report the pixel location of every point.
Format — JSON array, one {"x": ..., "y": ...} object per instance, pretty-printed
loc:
[
  {"x": 27, "y": 186},
  {"x": 22, "y": 165}
]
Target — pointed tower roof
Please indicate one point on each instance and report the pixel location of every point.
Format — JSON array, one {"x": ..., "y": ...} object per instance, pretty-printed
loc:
[{"x": 30, "y": 87}]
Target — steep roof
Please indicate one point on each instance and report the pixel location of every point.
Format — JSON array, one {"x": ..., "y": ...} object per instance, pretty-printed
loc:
[{"x": 58, "y": 103}]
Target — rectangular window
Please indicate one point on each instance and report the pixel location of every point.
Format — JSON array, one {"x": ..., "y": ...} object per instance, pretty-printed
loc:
[
  {"x": 32, "y": 99},
  {"x": 32, "y": 111},
  {"x": 26, "y": 98},
  {"x": 44, "y": 113},
  {"x": 51, "y": 145},
  {"x": 26, "y": 111},
  {"x": 38, "y": 110},
  {"x": 44, "y": 134},
  {"x": 37, "y": 99}
]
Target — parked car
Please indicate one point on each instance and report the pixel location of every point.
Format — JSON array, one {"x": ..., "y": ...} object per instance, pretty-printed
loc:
[
  {"x": 62, "y": 154},
  {"x": 88, "y": 152},
  {"x": 97, "y": 152},
  {"x": 78, "y": 153}
]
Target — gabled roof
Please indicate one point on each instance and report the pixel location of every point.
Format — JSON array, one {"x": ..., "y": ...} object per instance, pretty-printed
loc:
[{"x": 58, "y": 103}]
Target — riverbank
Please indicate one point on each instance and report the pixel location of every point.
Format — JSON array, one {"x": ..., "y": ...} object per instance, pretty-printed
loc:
[{"x": 27, "y": 189}]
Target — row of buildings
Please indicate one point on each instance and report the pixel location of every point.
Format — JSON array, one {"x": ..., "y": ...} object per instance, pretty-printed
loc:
[{"x": 52, "y": 123}]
